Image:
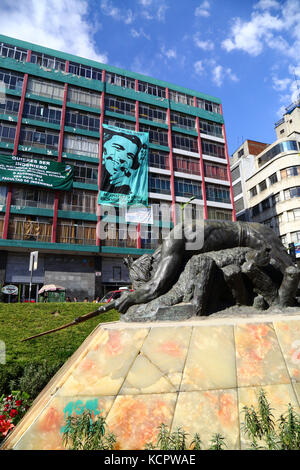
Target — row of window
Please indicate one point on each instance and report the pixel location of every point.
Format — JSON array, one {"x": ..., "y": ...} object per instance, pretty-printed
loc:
[
  {"x": 285, "y": 173},
  {"x": 288, "y": 146},
  {"x": 51, "y": 62}
]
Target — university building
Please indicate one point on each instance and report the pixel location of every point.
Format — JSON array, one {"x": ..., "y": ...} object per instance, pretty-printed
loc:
[
  {"x": 266, "y": 181},
  {"x": 53, "y": 108}
]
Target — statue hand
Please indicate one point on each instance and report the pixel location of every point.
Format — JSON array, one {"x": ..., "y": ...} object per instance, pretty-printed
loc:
[{"x": 123, "y": 303}]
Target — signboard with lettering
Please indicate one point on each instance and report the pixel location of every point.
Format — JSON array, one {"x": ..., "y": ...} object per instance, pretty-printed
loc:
[{"x": 36, "y": 172}]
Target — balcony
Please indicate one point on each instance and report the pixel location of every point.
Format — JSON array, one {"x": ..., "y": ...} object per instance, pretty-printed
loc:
[
  {"x": 76, "y": 234},
  {"x": 29, "y": 230}
]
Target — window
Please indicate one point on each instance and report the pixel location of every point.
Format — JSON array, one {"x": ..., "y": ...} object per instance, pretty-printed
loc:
[
  {"x": 84, "y": 97},
  {"x": 120, "y": 123},
  {"x": 182, "y": 120},
  {"x": 11, "y": 80},
  {"x": 213, "y": 149},
  {"x": 84, "y": 172},
  {"x": 159, "y": 184},
  {"x": 81, "y": 145},
  {"x": 119, "y": 105},
  {"x": 219, "y": 214},
  {"x": 42, "y": 112},
  {"x": 85, "y": 71},
  {"x": 262, "y": 186},
  {"x": 275, "y": 199},
  {"x": 43, "y": 139},
  {"x": 215, "y": 171},
  {"x": 181, "y": 98},
  {"x": 265, "y": 204},
  {"x": 288, "y": 172},
  {"x": 9, "y": 105},
  {"x": 119, "y": 80},
  {"x": 237, "y": 189},
  {"x": 253, "y": 191},
  {"x": 158, "y": 159},
  {"x": 288, "y": 146},
  {"x": 208, "y": 106},
  {"x": 235, "y": 173},
  {"x": 240, "y": 153},
  {"x": 82, "y": 120},
  {"x": 47, "y": 61},
  {"x": 292, "y": 192},
  {"x": 78, "y": 201},
  {"x": 152, "y": 113},
  {"x": 187, "y": 188},
  {"x": 186, "y": 165},
  {"x": 211, "y": 128},
  {"x": 295, "y": 237},
  {"x": 154, "y": 90},
  {"x": 273, "y": 178},
  {"x": 217, "y": 193},
  {"x": 255, "y": 210},
  {"x": 7, "y": 133},
  {"x": 239, "y": 205},
  {"x": 185, "y": 142},
  {"x": 29, "y": 197},
  {"x": 13, "y": 52},
  {"x": 44, "y": 88},
  {"x": 294, "y": 215},
  {"x": 156, "y": 135}
]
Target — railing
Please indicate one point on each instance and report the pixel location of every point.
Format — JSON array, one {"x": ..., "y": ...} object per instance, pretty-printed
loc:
[
  {"x": 1, "y": 226},
  {"x": 76, "y": 234},
  {"x": 29, "y": 230},
  {"x": 126, "y": 243},
  {"x": 281, "y": 121}
]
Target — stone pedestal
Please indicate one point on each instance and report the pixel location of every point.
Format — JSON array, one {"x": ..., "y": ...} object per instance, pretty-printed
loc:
[{"x": 197, "y": 374}]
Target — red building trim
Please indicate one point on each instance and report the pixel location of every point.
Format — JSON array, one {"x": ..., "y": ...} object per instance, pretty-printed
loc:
[
  {"x": 59, "y": 158},
  {"x": 15, "y": 150},
  {"x": 100, "y": 152},
  {"x": 201, "y": 164},
  {"x": 228, "y": 170},
  {"x": 171, "y": 159},
  {"x": 137, "y": 127}
]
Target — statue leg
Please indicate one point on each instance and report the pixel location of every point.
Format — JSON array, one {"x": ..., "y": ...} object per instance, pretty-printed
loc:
[
  {"x": 289, "y": 286},
  {"x": 262, "y": 283},
  {"x": 203, "y": 285},
  {"x": 234, "y": 279}
]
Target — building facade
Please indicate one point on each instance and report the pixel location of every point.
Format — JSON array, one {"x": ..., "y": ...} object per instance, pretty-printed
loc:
[
  {"x": 53, "y": 107},
  {"x": 272, "y": 185}
]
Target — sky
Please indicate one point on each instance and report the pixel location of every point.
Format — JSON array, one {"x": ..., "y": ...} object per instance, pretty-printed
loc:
[{"x": 247, "y": 53}]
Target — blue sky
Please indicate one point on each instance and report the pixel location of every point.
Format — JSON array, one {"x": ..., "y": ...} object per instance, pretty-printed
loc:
[{"x": 246, "y": 53}]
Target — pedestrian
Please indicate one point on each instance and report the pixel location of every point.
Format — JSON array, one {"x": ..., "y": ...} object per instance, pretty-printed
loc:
[
  {"x": 75, "y": 299},
  {"x": 86, "y": 299}
]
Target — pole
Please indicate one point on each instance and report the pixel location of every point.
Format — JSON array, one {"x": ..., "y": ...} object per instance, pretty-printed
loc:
[{"x": 29, "y": 300}]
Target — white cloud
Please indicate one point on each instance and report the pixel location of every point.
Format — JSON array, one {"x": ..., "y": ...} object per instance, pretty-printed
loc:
[
  {"x": 203, "y": 9},
  {"x": 58, "y": 25},
  {"x": 108, "y": 8},
  {"x": 267, "y": 4},
  {"x": 281, "y": 84},
  {"x": 169, "y": 53},
  {"x": 139, "y": 33},
  {"x": 154, "y": 9},
  {"x": 198, "y": 67},
  {"x": 204, "y": 45},
  {"x": 220, "y": 73}
]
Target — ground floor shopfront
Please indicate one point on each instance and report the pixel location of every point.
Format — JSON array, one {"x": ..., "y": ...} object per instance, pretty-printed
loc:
[{"x": 81, "y": 275}]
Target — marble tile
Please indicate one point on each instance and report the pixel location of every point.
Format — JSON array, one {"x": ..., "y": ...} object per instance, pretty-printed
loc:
[
  {"x": 210, "y": 361},
  {"x": 207, "y": 413},
  {"x": 46, "y": 431},
  {"x": 259, "y": 358},
  {"x": 288, "y": 334},
  {"x": 145, "y": 377},
  {"x": 167, "y": 348},
  {"x": 296, "y": 386},
  {"x": 278, "y": 396},
  {"x": 135, "y": 419},
  {"x": 104, "y": 368}
]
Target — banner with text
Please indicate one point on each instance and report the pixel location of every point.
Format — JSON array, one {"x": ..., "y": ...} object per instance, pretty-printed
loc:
[
  {"x": 124, "y": 174},
  {"x": 36, "y": 172}
]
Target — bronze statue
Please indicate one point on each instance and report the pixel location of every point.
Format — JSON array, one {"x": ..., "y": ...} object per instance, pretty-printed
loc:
[{"x": 238, "y": 263}]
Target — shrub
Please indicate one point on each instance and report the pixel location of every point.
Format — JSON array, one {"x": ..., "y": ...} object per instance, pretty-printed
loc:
[{"x": 12, "y": 409}]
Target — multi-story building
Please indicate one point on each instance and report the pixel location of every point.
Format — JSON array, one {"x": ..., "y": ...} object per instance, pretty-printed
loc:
[
  {"x": 53, "y": 107},
  {"x": 272, "y": 186},
  {"x": 242, "y": 167}
]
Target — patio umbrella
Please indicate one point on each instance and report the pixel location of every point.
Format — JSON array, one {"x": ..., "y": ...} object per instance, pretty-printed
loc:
[{"x": 50, "y": 288}]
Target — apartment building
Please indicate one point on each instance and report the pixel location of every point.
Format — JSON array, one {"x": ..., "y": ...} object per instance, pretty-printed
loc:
[
  {"x": 272, "y": 184},
  {"x": 53, "y": 108}
]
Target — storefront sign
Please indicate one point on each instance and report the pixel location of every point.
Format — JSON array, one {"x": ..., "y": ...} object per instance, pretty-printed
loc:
[
  {"x": 10, "y": 289},
  {"x": 36, "y": 172}
]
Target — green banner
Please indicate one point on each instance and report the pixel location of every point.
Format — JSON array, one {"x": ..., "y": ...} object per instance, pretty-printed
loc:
[
  {"x": 36, "y": 172},
  {"x": 124, "y": 174}
]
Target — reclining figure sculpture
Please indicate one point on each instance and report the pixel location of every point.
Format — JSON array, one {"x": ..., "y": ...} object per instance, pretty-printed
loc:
[
  {"x": 238, "y": 263},
  {"x": 245, "y": 259}
]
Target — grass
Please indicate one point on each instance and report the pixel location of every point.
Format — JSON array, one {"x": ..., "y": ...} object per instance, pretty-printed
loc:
[{"x": 18, "y": 321}]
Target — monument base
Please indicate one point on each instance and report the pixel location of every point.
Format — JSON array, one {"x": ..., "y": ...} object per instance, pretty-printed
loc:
[
  {"x": 197, "y": 374},
  {"x": 177, "y": 312}
]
